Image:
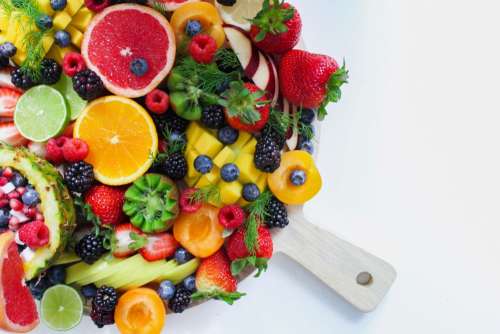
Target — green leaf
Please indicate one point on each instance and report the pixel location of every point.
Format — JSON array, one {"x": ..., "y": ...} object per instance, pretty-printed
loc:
[
  {"x": 228, "y": 297},
  {"x": 237, "y": 266},
  {"x": 139, "y": 241}
]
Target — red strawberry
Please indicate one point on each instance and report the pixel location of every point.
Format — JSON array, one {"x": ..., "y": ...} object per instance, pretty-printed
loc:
[
  {"x": 241, "y": 257},
  {"x": 214, "y": 279},
  {"x": 127, "y": 239},
  {"x": 159, "y": 246},
  {"x": 277, "y": 27},
  {"x": 106, "y": 203},
  {"x": 311, "y": 80},
  {"x": 247, "y": 107},
  {"x": 8, "y": 101}
]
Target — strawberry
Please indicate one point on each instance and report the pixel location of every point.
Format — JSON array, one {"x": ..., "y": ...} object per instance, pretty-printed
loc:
[
  {"x": 8, "y": 101},
  {"x": 126, "y": 240},
  {"x": 159, "y": 246},
  {"x": 214, "y": 279},
  {"x": 311, "y": 80},
  {"x": 246, "y": 107},
  {"x": 277, "y": 27},
  {"x": 241, "y": 257},
  {"x": 106, "y": 203},
  {"x": 9, "y": 133}
]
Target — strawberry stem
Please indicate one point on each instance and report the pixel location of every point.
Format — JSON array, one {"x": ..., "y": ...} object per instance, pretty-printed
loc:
[
  {"x": 228, "y": 297},
  {"x": 271, "y": 19},
  {"x": 242, "y": 103},
  {"x": 260, "y": 263},
  {"x": 337, "y": 79}
]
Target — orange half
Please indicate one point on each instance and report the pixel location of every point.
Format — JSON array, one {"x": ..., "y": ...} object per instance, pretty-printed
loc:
[{"x": 121, "y": 136}]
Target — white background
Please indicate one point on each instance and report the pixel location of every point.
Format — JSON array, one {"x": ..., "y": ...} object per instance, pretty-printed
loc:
[{"x": 410, "y": 160}]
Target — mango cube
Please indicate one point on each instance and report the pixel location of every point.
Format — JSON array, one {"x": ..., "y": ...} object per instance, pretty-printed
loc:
[
  {"x": 248, "y": 172},
  {"x": 243, "y": 138},
  {"x": 61, "y": 20},
  {"x": 208, "y": 145},
  {"x": 45, "y": 7},
  {"x": 250, "y": 147},
  {"x": 76, "y": 35},
  {"x": 230, "y": 193},
  {"x": 82, "y": 18},
  {"x": 225, "y": 156},
  {"x": 73, "y": 6}
]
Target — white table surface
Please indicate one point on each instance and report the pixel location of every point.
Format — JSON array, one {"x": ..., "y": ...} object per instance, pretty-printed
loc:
[{"x": 411, "y": 172}]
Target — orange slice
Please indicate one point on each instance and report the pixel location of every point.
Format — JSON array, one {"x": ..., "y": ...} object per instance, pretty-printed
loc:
[{"x": 121, "y": 136}]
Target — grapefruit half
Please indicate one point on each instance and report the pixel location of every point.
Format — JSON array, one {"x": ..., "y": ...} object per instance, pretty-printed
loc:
[
  {"x": 123, "y": 33},
  {"x": 17, "y": 308}
]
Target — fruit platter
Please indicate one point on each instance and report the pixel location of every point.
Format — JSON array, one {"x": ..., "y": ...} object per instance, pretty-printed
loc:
[{"x": 154, "y": 153}]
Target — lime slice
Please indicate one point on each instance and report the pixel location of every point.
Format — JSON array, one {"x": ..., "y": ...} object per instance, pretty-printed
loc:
[
  {"x": 239, "y": 13},
  {"x": 41, "y": 114},
  {"x": 74, "y": 102},
  {"x": 61, "y": 307}
]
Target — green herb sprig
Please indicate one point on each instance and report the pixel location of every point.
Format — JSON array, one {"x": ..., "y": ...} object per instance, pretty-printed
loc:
[
  {"x": 98, "y": 228},
  {"x": 206, "y": 194}
]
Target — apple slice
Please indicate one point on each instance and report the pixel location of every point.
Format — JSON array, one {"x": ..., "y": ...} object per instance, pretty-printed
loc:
[
  {"x": 257, "y": 66},
  {"x": 293, "y": 138}
]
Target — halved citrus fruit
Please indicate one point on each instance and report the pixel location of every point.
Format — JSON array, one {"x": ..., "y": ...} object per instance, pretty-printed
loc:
[{"x": 122, "y": 139}]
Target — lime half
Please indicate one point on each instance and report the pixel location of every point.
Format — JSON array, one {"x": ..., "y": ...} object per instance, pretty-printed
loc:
[
  {"x": 41, "y": 113},
  {"x": 61, "y": 307},
  {"x": 74, "y": 102}
]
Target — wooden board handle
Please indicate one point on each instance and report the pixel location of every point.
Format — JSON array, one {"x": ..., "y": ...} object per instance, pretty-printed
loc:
[{"x": 359, "y": 277}]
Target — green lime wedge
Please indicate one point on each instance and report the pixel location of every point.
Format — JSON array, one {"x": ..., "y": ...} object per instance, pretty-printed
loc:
[
  {"x": 75, "y": 103},
  {"x": 61, "y": 307},
  {"x": 41, "y": 114}
]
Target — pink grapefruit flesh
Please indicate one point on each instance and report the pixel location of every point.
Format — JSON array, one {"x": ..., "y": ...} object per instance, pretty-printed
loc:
[
  {"x": 18, "y": 311},
  {"x": 122, "y": 33}
]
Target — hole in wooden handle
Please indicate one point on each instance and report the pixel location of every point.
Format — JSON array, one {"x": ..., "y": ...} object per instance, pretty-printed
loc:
[{"x": 364, "y": 278}]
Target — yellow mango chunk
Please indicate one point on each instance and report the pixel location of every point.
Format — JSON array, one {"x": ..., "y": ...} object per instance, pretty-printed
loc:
[
  {"x": 57, "y": 53},
  {"x": 248, "y": 172},
  {"x": 82, "y": 18},
  {"x": 193, "y": 132},
  {"x": 4, "y": 22},
  {"x": 243, "y": 138},
  {"x": 44, "y": 6},
  {"x": 208, "y": 145},
  {"x": 20, "y": 55},
  {"x": 209, "y": 178},
  {"x": 250, "y": 147},
  {"x": 191, "y": 181},
  {"x": 13, "y": 28},
  {"x": 76, "y": 35},
  {"x": 47, "y": 42},
  {"x": 61, "y": 20},
  {"x": 230, "y": 193},
  {"x": 73, "y": 6},
  {"x": 190, "y": 157},
  {"x": 225, "y": 156}
]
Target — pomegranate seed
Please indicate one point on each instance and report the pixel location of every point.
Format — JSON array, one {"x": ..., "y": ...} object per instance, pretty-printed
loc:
[
  {"x": 21, "y": 190},
  {"x": 2, "y": 194},
  {"x": 31, "y": 212},
  {"x": 15, "y": 204},
  {"x": 3, "y": 181},
  {"x": 4, "y": 202},
  {"x": 13, "y": 223},
  {"x": 7, "y": 172},
  {"x": 13, "y": 194},
  {"x": 40, "y": 217}
]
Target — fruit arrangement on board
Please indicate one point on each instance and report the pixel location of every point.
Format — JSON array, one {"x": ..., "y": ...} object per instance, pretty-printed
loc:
[{"x": 147, "y": 150}]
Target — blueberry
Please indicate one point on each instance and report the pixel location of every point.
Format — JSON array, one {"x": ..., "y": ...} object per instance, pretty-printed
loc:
[
  {"x": 89, "y": 291},
  {"x": 56, "y": 275},
  {"x": 139, "y": 66},
  {"x": 44, "y": 22},
  {"x": 307, "y": 116},
  {"x": 298, "y": 177},
  {"x": 250, "y": 192},
  {"x": 182, "y": 255},
  {"x": 18, "y": 180},
  {"x": 4, "y": 218},
  {"x": 203, "y": 164},
  {"x": 166, "y": 290},
  {"x": 38, "y": 286},
  {"x": 62, "y": 38},
  {"x": 306, "y": 146},
  {"x": 30, "y": 197},
  {"x": 193, "y": 27},
  {"x": 190, "y": 283},
  {"x": 7, "y": 50},
  {"x": 58, "y": 4},
  {"x": 227, "y": 135},
  {"x": 230, "y": 172}
]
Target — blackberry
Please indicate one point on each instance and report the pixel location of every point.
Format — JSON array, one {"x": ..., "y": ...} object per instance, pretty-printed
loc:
[
  {"x": 272, "y": 133},
  {"x": 213, "y": 116},
  {"x": 88, "y": 85},
  {"x": 181, "y": 300},
  {"x": 79, "y": 176},
  {"x": 175, "y": 166},
  {"x": 170, "y": 122},
  {"x": 21, "y": 79},
  {"x": 90, "y": 248},
  {"x": 105, "y": 299},
  {"x": 277, "y": 215},
  {"x": 4, "y": 62},
  {"x": 50, "y": 71},
  {"x": 267, "y": 156},
  {"x": 101, "y": 318}
]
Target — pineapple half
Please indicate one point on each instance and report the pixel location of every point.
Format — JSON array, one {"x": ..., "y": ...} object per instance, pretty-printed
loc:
[{"x": 56, "y": 203}]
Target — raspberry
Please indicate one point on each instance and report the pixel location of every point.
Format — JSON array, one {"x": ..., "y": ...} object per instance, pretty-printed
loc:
[
  {"x": 54, "y": 149},
  {"x": 73, "y": 63},
  {"x": 97, "y": 5},
  {"x": 34, "y": 234},
  {"x": 186, "y": 203},
  {"x": 157, "y": 101},
  {"x": 202, "y": 48},
  {"x": 75, "y": 150},
  {"x": 231, "y": 216}
]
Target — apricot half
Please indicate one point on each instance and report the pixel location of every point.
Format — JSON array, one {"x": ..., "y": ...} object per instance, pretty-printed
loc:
[{"x": 280, "y": 184}]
